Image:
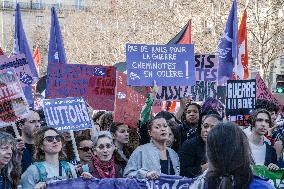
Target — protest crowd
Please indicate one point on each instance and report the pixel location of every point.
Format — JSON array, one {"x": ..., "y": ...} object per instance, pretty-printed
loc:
[
  {"x": 169, "y": 126},
  {"x": 201, "y": 144}
]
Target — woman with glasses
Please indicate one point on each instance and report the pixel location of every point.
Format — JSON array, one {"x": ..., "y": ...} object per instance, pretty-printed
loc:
[
  {"x": 85, "y": 149},
  {"x": 49, "y": 165},
  {"x": 102, "y": 165},
  {"x": 9, "y": 168},
  {"x": 155, "y": 158}
]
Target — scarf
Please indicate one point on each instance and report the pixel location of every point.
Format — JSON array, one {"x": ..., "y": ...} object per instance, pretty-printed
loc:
[{"x": 106, "y": 169}]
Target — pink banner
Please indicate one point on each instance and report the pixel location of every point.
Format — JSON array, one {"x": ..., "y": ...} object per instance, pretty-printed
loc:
[
  {"x": 101, "y": 90},
  {"x": 95, "y": 83},
  {"x": 263, "y": 92}
]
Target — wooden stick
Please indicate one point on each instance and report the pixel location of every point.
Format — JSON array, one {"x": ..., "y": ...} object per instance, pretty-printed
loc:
[{"x": 74, "y": 146}]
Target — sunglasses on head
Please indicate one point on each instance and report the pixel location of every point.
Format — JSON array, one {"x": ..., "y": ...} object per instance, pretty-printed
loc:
[
  {"x": 58, "y": 138},
  {"x": 86, "y": 149}
]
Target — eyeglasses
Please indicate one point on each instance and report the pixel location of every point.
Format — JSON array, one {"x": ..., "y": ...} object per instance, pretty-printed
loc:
[
  {"x": 107, "y": 146},
  {"x": 86, "y": 149},
  {"x": 58, "y": 138}
]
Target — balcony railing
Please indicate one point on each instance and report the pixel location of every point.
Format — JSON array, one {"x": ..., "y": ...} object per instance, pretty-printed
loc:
[{"x": 39, "y": 6}]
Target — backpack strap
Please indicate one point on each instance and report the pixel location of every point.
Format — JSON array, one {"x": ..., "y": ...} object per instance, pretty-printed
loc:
[
  {"x": 66, "y": 168},
  {"x": 41, "y": 170}
]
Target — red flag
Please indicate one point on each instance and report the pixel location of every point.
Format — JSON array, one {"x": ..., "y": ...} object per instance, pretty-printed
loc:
[
  {"x": 186, "y": 38},
  {"x": 241, "y": 69},
  {"x": 1, "y": 52},
  {"x": 36, "y": 57}
]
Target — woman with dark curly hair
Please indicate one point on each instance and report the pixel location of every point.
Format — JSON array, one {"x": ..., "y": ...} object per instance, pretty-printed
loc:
[
  {"x": 10, "y": 170},
  {"x": 190, "y": 121},
  {"x": 97, "y": 117},
  {"x": 49, "y": 165},
  {"x": 106, "y": 121}
]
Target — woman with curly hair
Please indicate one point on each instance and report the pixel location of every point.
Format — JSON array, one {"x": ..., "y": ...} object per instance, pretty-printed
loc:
[
  {"x": 190, "y": 121},
  {"x": 10, "y": 169},
  {"x": 105, "y": 121},
  {"x": 49, "y": 165}
]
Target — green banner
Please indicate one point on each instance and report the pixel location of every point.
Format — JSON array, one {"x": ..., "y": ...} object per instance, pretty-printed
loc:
[{"x": 276, "y": 177}]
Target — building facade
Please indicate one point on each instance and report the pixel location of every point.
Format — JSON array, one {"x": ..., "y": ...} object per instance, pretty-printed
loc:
[{"x": 32, "y": 12}]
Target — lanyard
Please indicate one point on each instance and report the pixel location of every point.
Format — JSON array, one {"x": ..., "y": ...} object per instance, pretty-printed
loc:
[
  {"x": 60, "y": 169},
  {"x": 169, "y": 163}
]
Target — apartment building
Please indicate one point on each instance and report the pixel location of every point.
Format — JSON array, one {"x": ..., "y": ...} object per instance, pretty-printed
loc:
[{"x": 32, "y": 12}]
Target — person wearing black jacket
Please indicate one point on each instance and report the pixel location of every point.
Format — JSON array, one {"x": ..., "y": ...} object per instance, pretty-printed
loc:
[
  {"x": 192, "y": 154},
  {"x": 190, "y": 121},
  {"x": 262, "y": 153}
]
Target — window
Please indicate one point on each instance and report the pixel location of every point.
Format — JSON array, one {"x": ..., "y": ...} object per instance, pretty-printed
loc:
[
  {"x": 38, "y": 4},
  {"x": 39, "y": 20},
  {"x": 80, "y": 4},
  {"x": 61, "y": 23},
  {"x": 58, "y": 3}
]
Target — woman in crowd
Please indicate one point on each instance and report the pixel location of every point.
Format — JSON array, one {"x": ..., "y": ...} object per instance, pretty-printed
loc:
[
  {"x": 190, "y": 121},
  {"x": 173, "y": 141},
  {"x": 154, "y": 158},
  {"x": 174, "y": 127},
  {"x": 122, "y": 152},
  {"x": 144, "y": 134},
  {"x": 49, "y": 165},
  {"x": 193, "y": 151},
  {"x": 85, "y": 149},
  {"x": 105, "y": 121},
  {"x": 229, "y": 158},
  {"x": 10, "y": 171},
  {"x": 103, "y": 165},
  {"x": 98, "y": 116}
]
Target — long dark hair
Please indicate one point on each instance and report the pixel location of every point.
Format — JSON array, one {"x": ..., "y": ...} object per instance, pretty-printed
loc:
[
  {"x": 177, "y": 135},
  {"x": 229, "y": 156}
]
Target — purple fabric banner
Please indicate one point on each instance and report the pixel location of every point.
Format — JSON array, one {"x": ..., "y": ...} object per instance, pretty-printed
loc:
[
  {"x": 165, "y": 181},
  {"x": 56, "y": 51}
]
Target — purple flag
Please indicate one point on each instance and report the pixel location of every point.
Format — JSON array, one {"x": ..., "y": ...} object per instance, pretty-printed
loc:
[
  {"x": 56, "y": 52},
  {"x": 21, "y": 46},
  {"x": 228, "y": 47}
]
